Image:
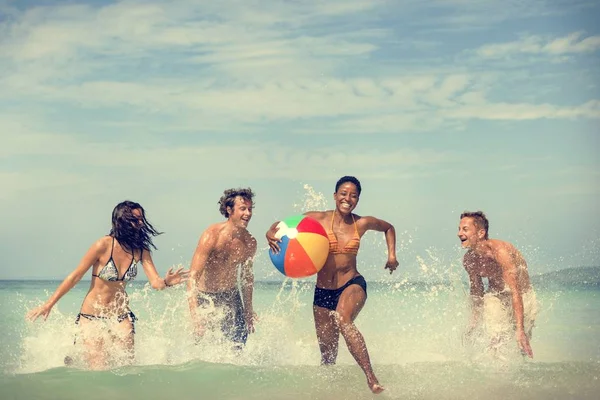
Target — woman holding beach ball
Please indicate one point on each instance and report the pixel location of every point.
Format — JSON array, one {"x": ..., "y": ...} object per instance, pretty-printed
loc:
[{"x": 341, "y": 291}]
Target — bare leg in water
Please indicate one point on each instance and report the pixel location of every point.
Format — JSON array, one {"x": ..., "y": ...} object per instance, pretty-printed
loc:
[
  {"x": 328, "y": 334},
  {"x": 330, "y": 324},
  {"x": 95, "y": 354},
  {"x": 124, "y": 342}
]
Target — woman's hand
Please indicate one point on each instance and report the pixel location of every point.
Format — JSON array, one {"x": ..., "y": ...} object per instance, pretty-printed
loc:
[
  {"x": 177, "y": 277},
  {"x": 273, "y": 241},
  {"x": 391, "y": 264},
  {"x": 43, "y": 310}
]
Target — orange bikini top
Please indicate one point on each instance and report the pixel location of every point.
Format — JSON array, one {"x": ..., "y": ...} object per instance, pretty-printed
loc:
[{"x": 351, "y": 247}]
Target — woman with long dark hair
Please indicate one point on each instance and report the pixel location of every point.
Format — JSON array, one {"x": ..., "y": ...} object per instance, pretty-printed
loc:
[{"x": 105, "y": 318}]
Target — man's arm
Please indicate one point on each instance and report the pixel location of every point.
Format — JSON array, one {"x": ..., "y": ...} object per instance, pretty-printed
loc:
[
  {"x": 206, "y": 244},
  {"x": 475, "y": 291},
  {"x": 247, "y": 278},
  {"x": 510, "y": 276}
]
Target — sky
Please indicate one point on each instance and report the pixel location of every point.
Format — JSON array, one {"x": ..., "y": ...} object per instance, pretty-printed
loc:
[{"x": 437, "y": 106}]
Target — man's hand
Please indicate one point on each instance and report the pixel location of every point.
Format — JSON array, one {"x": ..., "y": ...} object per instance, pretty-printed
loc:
[
  {"x": 523, "y": 342},
  {"x": 250, "y": 319},
  {"x": 199, "y": 328}
]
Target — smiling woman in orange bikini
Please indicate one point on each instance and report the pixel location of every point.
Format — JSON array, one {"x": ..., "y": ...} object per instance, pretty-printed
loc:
[
  {"x": 105, "y": 312},
  {"x": 341, "y": 291}
]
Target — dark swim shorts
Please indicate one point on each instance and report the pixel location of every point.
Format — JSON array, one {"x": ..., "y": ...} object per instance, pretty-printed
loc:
[{"x": 233, "y": 324}]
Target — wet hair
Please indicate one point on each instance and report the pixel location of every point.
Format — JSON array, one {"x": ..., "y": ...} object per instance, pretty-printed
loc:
[
  {"x": 479, "y": 219},
  {"x": 345, "y": 179},
  {"x": 228, "y": 198},
  {"x": 127, "y": 230}
]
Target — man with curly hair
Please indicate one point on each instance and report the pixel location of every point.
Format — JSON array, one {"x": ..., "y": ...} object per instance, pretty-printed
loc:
[{"x": 213, "y": 288}]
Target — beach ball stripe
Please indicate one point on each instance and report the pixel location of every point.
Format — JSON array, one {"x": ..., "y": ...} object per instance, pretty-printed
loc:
[
  {"x": 297, "y": 263},
  {"x": 279, "y": 258},
  {"x": 304, "y": 247},
  {"x": 312, "y": 241},
  {"x": 312, "y": 226}
]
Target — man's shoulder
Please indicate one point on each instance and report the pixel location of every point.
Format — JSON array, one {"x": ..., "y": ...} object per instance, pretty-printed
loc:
[
  {"x": 498, "y": 245},
  {"x": 213, "y": 231},
  {"x": 499, "y": 241},
  {"x": 217, "y": 227}
]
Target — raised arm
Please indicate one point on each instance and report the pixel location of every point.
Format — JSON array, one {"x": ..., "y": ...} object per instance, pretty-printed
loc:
[
  {"x": 205, "y": 246},
  {"x": 510, "y": 276},
  {"x": 171, "y": 278},
  {"x": 247, "y": 278},
  {"x": 379, "y": 225},
  {"x": 89, "y": 259}
]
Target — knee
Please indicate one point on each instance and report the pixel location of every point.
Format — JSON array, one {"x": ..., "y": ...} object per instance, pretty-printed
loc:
[
  {"x": 343, "y": 320},
  {"x": 346, "y": 325}
]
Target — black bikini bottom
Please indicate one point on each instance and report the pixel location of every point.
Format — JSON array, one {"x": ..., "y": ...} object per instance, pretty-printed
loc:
[
  {"x": 328, "y": 298},
  {"x": 120, "y": 318}
]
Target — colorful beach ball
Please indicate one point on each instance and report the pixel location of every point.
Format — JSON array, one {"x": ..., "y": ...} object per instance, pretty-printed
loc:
[{"x": 304, "y": 247}]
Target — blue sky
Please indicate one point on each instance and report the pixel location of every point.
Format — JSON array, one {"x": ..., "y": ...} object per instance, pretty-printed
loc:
[{"x": 436, "y": 106}]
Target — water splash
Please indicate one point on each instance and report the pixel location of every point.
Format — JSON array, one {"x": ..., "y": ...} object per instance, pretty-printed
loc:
[
  {"x": 405, "y": 320},
  {"x": 311, "y": 200}
]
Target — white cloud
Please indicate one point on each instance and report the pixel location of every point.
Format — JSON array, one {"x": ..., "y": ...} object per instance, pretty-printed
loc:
[
  {"x": 519, "y": 112},
  {"x": 570, "y": 44},
  {"x": 209, "y": 68},
  {"x": 99, "y": 167}
]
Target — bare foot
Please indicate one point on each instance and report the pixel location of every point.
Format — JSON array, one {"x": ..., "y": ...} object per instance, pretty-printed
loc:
[{"x": 376, "y": 387}]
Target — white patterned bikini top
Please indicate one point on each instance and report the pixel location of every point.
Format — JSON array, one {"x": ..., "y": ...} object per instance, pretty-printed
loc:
[{"x": 110, "y": 272}]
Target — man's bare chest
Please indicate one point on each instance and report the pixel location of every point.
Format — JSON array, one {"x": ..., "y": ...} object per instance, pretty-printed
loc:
[
  {"x": 232, "y": 252},
  {"x": 485, "y": 267}
]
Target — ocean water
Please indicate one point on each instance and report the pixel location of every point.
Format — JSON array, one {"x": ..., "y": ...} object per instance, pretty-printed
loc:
[{"x": 413, "y": 331}]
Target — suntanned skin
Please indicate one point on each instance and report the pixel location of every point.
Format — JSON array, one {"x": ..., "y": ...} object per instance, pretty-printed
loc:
[
  {"x": 506, "y": 270},
  {"x": 105, "y": 297},
  {"x": 221, "y": 249},
  {"x": 339, "y": 269}
]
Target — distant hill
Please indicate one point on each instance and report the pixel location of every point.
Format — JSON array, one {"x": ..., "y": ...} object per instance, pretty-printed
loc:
[{"x": 580, "y": 277}]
